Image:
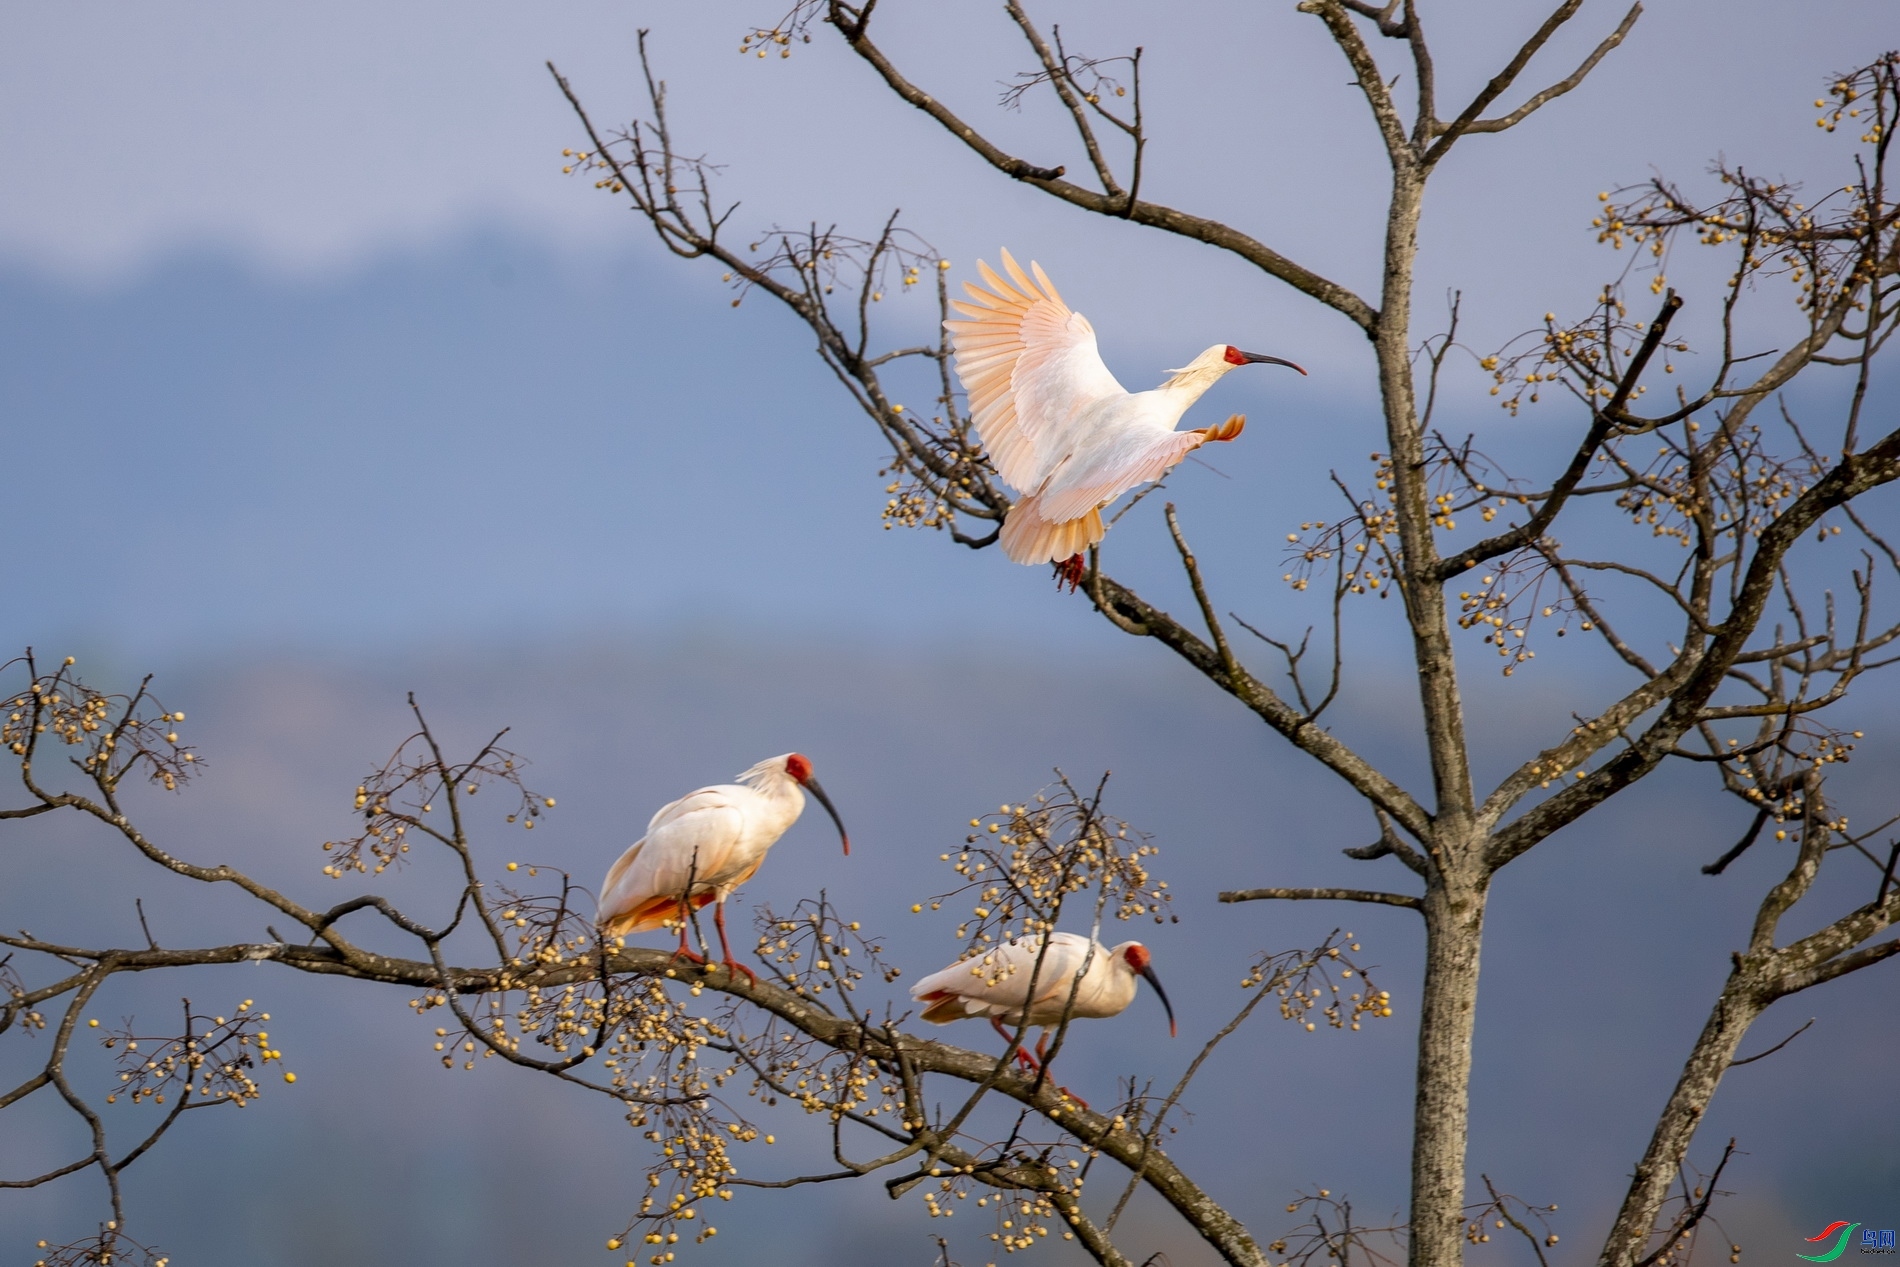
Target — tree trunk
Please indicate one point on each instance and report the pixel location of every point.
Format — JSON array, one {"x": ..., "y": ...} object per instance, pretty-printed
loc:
[
  {"x": 1454, "y": 934},
  {"x": 1456, "y": 889}
]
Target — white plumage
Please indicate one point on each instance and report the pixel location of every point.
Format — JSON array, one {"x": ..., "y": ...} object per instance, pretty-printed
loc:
[
  {"x": 997, "y": 984},
  {"x": 1056, "y": 424},
  {"x": 701, "y": 847}
]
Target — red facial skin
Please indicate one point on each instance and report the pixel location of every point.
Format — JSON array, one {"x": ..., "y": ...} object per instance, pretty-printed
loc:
[
  {"x": 1137, "y": 957},
  {"x": 1234, "y": 356},
  {"x": 798, "y": 765}
]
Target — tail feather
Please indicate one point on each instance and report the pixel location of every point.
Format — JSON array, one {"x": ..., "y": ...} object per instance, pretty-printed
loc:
[
  {"x": 1029, "y": 538},
  {"x": 944, "y": 1008},
  {"x": 652, "y": 913}
]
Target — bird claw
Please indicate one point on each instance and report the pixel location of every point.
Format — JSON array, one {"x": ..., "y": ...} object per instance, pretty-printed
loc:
[
  {"x": 1070, "y": 572},
  {"x": 1030, "y": 1063},
  {"x": 690, "y": 957},
  {"x": 734, "y": 968}
]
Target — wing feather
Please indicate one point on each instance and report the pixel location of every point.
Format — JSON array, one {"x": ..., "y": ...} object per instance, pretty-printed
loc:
[
  {"x": 1081, "y": 492},
  {"x": 610, "y": 886},
  {"x": 1029, "y": 366},
  {"x": 689, "y": 841}
]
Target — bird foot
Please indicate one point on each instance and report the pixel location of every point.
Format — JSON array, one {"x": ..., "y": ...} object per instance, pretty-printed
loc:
[
  {"x": 734, "y": 968},
  {"x": 1070, "y": 572},
  {"x": 1072, "y": 1097},
  {"x": 690, "y": 957},
  {"x": 1030, "y": 1063}
]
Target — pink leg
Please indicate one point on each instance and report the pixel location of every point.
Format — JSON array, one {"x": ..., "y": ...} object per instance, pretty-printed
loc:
[
  {"x": 685, "y": 952},
  {"x": 733, "y": 966},
  {"x": 1029, "y": 1061},
  {"x": 1042, "y": 1058}
]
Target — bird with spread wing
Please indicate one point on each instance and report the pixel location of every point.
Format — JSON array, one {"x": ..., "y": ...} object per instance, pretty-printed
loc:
[{"x": 1055, "y": 423}]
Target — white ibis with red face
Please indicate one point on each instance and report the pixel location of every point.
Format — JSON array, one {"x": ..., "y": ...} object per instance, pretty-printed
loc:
[
  {"x": 996, "y": 985},
  {"x": 1056, "y": 424},
  {"x": 703, "y": 846}
]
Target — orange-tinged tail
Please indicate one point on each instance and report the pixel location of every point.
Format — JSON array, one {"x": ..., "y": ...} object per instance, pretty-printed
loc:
[
  {"x": 652, "y": 913},
  {"x": 1029, "y": 538},
  {"x": 944, "y": 1007}
]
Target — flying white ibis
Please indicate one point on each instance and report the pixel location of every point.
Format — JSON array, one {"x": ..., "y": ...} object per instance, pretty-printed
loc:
[
  {"x": 996, "y": 984},
  {"x": 703, "y": 846},
  {"x": 1054, "y": 421}
]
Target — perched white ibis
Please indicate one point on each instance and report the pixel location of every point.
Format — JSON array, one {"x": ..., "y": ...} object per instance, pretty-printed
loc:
[
  {"x": 996, "y": 984},
  {"x": 1056, "y": 424},
  {"x": 703, "y": 846}
]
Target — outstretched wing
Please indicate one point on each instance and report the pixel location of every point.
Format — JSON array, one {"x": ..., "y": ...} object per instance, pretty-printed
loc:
[{"x": 1030, "y": 366}]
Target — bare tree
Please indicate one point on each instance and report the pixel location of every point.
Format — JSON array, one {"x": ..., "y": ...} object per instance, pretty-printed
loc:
[
  {"x": 1735, "y": 516},
  {"x": 1721, "y": 506}
]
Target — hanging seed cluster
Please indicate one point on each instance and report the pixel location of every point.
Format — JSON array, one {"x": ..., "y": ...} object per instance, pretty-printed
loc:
[
  {"x": 415, "y": 793},
  {"x": 115, "y": 733},
  {"x": 759, "y": 42},
  {"x": 1584, "y": 359},
  {"x": 16, "y": 1009},
  {"x": 1825, "y": 248},
  {"x": 110, "y": 1248},
  {"x": 211, "y": 1060},
  {"x": 542, "y": 929},
  {"x": 1323, "y": 984},
  {"x": 793, "y": 28},
  {"x": 1804, "y": 743},
  {"x": 1022, "y": 862},
  {"x": 940, "y": 470},
  {"x": 1507, "y": 601},
  {"x": 1331, "y": 1234},
  {"x": 812, "y": 950},
  {"x": 1021, "y": 1184},
  {"x": 788, "y": 1066},
  {"x": 665, "y": 1065},
  {"x": 1359, "y": 546},
  {"x": 1506, "y": 1211}
]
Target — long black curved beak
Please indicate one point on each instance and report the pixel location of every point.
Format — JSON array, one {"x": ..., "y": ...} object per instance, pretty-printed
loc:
[
  {"x": 1155, "y": 981},
  {"x": 811, "y": 785},
  {"x": 1255, "y": 358}
]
